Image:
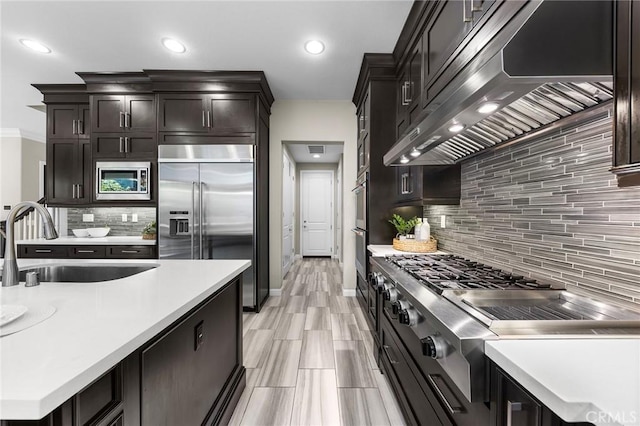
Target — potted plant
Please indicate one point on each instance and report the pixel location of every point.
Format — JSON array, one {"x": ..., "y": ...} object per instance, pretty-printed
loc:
[
  {"x": 403, "y": 226},
  {"x": 149, "y": 232}
]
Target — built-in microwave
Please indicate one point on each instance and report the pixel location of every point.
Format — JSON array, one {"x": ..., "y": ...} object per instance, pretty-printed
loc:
[{"x": 123, "y": 180}]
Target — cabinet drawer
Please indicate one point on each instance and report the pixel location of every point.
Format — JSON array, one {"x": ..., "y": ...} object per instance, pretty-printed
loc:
[
  {"x": 86, "y": 252},
  {"x": 131, "y": 252},
  {"x": 36, "y": 251}
]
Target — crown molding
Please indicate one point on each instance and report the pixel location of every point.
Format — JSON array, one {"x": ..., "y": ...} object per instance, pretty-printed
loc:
[{"x": 23, "y": 134}]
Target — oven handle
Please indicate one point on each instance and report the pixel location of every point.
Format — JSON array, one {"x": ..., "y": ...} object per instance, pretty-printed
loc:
[
  {"x": 360, "y": 186},
  {"x": 357, "y": 231},
  {"x": 386, "y": 348},
  {"x": 453, "y": 409}
]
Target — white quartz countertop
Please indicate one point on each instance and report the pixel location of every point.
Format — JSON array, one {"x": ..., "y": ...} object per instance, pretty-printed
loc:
[
  {"x": 88, "y": 241},
  {"x": 388, "y": 250},
  {"x": 581, "y": 380},
  {"x": 95, "y": 326}
]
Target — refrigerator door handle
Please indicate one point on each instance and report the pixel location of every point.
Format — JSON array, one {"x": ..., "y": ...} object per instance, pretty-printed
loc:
[
  {"x": 194, "y": 185},
  {"x": 202, "y": 225}
]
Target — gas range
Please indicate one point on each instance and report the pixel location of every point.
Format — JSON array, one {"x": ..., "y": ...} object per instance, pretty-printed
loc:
[{"x": 449, "y": 306}]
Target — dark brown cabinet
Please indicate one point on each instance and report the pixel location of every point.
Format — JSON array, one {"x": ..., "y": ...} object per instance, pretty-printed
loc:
[
  {"x": 428, "y": 184},
  {"x": 68, "y": 172},
  {"x": 364, "y": 127},
  {"x": 626, "y": 157},
  {"x": 53, "y": 251},
  {"x": 199, "y": 354},
  {"x": 68, "y": 121},
  {"x": 409, "y": 90},
  {"x": 207, "y": 113},
  {"x": 123, "y": 113},
  {"x": 129, "y": 145}
]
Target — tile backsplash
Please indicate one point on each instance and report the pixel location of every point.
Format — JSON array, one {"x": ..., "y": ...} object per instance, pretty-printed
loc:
[
  {"x": 550, "y": 209},
  {"x": 111, "y": 217}
]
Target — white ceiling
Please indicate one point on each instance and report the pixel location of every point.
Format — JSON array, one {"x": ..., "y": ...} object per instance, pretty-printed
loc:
[
  {"x": 300, "y": 152},
  {"x": 93, "y": 36}
]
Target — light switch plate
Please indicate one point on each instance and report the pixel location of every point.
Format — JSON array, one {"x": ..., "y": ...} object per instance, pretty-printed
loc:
[
  {"x": 443, "y": 221},
  {"x": 87, "y": 217},
  {"x": 124, "y": 217},
  {"x": 134, "y": 217}
]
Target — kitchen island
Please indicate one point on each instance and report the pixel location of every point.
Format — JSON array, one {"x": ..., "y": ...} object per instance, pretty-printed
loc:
[{"x": 127, "y": 344}]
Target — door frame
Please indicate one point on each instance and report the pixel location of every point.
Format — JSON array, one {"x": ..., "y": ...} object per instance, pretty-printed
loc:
[
  {"x": 332, "y": 215},
  {"x": 286, "y": 155}
]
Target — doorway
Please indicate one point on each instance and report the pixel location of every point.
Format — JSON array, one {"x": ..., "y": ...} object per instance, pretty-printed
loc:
[
  {"x": 317, "y": 212},
  {"x": 288, "y": 213}
]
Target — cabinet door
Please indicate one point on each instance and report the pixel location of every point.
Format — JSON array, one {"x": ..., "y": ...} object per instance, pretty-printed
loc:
[
  {"x": 108, "y": 145},
  {"x": 182, "y": 113},
  {"x": 141, "y": 113},
  {"x": 445, "y": 30},
  {"x": 131, "y": 252},
  {"x": 406, "y": 183},
  {"x": 87, "y": 252},
  {"x": 84, "y": 167},
  {"x": 84, "y": 122},
  {"x": 43, "y": 252},
  {"x": 62, "y": 174},
  {"x": 179, "y": 383},
  {"x": 402, "y": 104},
  {"x": 61, "y": 121},
  {"x": 514, "y": 405},
  {"x": 414, "y": 89},
  {"x": 143, "y": 145},
  {"x": 232, "y": 114},
  {"x": 107, "y": 113}
]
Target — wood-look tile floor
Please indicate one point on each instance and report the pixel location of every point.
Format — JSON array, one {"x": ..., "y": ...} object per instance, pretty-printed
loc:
[{"x": 310, "y": 359}]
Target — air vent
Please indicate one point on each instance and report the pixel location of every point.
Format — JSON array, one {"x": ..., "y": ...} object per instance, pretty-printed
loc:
[{"x": 316, "y": 149}]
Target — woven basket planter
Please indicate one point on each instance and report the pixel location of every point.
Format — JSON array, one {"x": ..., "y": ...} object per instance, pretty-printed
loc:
[{"x": 430, "y": 246}]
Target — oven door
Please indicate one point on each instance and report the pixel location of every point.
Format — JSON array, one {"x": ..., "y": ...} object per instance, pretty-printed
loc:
[
  {"x": 361, "y": 252},
  {"x": 361, "y": 201}
]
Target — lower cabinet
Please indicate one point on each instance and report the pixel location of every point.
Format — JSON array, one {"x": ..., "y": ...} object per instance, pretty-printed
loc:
[
  {"x": 55, "y": 251},
  {"x": 189, "y": 374},
  {"x": 512, "y": 405}
]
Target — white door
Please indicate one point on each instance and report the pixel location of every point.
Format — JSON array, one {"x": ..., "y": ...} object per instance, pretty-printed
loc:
[
  {"x": 339, "y": 212},
  {"x": 316, "y": 212},
  {"x": 288, "y": 178}
]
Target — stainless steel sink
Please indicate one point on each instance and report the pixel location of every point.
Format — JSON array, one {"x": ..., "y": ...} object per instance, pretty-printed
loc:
[{"x": 84, "y": 274}]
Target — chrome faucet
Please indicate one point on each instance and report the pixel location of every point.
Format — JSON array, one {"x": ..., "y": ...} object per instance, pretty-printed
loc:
[{"x": 10, "y": 272}]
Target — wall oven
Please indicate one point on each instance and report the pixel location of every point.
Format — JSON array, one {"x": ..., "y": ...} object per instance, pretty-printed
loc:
[
  {"x": 123, "y": 180},
  {"x": 361, "y": 201}
]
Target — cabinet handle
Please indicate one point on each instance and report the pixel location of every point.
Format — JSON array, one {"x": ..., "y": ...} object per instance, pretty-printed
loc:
[
  {"x": 79, "y": 191},
  {"x": 511, "y": 407},
  {"x": 73, "y": 191},
  {"x": 127, "y": 120},
  {"x": 204, "y": 120},
  {"x": 73, "y": 127},
  {"x": 453, "y": 409},
  {"x": 130, "y": 251},
  {"x": 80, "y": 127},
  {"x": 122, "y": 144},
  {"x": 406, "y": 99},
  {"x": 85, "y": 251},
  {"x": 121, "y": 119},
  {"x": 467, "y": 17},
  {"x": 209, "y": 119},
  {"x": 361, "y": 123},
  {"x": 44, "y": 251},
  {"x": 126, "y": 144},
  {"x": 386, "y": 348}
]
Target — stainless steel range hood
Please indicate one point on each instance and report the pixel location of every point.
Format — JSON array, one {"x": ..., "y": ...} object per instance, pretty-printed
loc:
[{"x": 554, "y": 61}]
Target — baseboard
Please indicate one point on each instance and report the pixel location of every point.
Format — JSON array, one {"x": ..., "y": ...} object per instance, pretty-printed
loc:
[
  {"x": 349, "y": 292},
  {"x": 297, "y": 257},
  {"x": 275, "y": 292}
]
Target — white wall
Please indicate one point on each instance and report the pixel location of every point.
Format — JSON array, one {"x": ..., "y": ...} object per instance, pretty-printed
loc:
[
  {"x": 294, "y": 120},
  {"x": 19, "y": 167}
]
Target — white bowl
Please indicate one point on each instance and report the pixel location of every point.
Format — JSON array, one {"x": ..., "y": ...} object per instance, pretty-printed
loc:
[
  {"x": 98, "y": 232},
  {"x": 80, "y": 232}
]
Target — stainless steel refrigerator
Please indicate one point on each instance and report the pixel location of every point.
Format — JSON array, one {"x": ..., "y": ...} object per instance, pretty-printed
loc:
[{"x": 206, "y": 207}]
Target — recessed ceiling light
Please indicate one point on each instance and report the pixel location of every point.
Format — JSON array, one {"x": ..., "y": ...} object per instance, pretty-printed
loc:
[
  {"x": 404, "y": 159},
  {"x": 415, "y": 152},
  {"x": 315, "y": 47},
  {"x": 316, "y": 155},
  {"x": 173, "y": 45},
  {"x": 35, "y": 45},
  {"x": 456, "y": 128},
  {"x": 488, "y": 107}
]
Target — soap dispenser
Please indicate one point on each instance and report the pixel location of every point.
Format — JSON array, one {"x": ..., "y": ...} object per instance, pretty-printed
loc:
[{"x": 425, "y": 230}]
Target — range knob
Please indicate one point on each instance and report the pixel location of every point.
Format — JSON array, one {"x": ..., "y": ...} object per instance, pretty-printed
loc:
[
  {"x": 399, "y": 306},
  {"x": 390, "y": 293},
  {"x": 378, "y": 281},
  {"x": 408, "y": 316},
  {"x": 433, "y": 346}
]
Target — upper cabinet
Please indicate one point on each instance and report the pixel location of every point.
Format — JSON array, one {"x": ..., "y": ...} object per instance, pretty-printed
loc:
[
  {"x": 220, "y": 114},
  {"x": 626, "y": 158},
  {"x": 409, "y": 89},
  {"x": 123, "y": 113},
  {"x": 68, "y": 121},
  {"x": 364, "y": 126}
]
